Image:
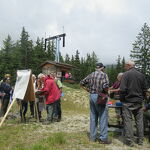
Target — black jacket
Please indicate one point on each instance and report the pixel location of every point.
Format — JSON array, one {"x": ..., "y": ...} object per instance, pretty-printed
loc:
[
  {"x": 5, "y": 88},
  {"x": 133, "y": 86}
]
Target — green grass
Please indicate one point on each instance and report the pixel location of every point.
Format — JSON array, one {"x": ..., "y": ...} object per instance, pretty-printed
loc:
[
  {"x": 73, "y": 86},
  {"x": 34, "y": 136},
  {"x": 55, "y": 141},
  {"x": 74, "y": 108}
]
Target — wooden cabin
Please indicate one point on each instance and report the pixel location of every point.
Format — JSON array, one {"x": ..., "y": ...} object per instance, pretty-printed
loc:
[{"x": 56, "y": 67}]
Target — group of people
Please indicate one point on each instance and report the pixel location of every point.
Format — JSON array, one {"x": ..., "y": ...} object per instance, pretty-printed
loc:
[
  {"x": 131, "y": 87},
  {"x": 52, "y": 89},
  {"x": 48, "y": 90}
]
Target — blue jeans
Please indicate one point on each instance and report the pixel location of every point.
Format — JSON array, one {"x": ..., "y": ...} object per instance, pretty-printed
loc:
[{"x": 98, "y": 115}]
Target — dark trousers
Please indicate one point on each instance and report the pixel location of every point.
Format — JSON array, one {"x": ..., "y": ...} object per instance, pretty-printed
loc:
[
  {"x": 136, "y": 111},
  {"x": 57, "y": 109},
  {"x": 5, "y": 102},
  {"x": 23, "y": 109},
  {"x": 32, "y": 107}
]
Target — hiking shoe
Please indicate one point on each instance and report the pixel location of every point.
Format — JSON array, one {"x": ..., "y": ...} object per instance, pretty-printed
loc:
[{"x": 104, "y": 142}]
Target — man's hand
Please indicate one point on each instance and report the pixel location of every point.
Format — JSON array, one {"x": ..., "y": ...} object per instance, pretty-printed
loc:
[
  {"x": 145, "y": 109},
  {"x": 85, "y": 88}
]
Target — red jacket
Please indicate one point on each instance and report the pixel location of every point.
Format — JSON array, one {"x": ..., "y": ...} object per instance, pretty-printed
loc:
[{"x": 51, "y": 90}]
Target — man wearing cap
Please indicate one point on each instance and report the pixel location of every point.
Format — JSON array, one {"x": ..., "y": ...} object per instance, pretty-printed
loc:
[
  {"x": 95, "y": 83},
  {"x": 132, "y": 92}
]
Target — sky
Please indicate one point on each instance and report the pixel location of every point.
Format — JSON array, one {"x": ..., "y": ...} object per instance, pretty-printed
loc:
[{"x": 107, "y": 27}]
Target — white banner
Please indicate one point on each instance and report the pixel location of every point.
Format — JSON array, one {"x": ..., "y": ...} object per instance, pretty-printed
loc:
[{"x": 21, "y": 85}]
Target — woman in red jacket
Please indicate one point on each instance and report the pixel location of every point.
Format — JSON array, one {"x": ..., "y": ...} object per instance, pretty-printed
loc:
[{"x": 52, "y": 94}]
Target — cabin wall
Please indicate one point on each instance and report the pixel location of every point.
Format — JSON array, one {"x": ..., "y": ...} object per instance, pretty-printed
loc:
[{"x": 49, "y": 68}]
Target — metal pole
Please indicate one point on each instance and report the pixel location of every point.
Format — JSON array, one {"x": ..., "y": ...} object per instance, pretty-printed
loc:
[
  {"x": 58, "y": 47},
  {"x": 56, "y": 50}
]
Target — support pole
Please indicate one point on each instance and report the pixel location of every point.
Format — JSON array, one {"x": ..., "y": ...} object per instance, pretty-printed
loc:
[{"x": 7, "y": 112}]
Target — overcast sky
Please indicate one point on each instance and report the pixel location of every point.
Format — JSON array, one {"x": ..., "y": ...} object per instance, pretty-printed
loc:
[{"x": 107, "y": 27}]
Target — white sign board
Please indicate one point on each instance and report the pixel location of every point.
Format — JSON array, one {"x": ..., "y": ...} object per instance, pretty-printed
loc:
[{"x": 21, "y": 85}]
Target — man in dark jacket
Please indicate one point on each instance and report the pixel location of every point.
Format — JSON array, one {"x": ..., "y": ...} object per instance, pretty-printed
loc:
[{"x": 132, "y": 91}]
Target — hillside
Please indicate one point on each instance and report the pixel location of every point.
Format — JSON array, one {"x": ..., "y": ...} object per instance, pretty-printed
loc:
[{"x": 69, "y": 134}]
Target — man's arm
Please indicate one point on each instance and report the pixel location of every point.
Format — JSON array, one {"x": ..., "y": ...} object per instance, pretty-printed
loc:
[
  {"x": 85, "y": 82},
  {"x": 85, "y": 88},
  {"x": 123, "y": 88},
  {"x": 105, "y": 83}
]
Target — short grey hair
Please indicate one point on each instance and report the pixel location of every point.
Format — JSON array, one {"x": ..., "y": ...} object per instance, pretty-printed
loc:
[
  {"x": 33, "y": 76},
  {"x": 41, "y": 75},
  {"x": 130, "y": 62},
  {"x": 120, "y": 74}
]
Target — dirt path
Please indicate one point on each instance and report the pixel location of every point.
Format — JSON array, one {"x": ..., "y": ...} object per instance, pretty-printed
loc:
[{"x": 80, "y": 123}]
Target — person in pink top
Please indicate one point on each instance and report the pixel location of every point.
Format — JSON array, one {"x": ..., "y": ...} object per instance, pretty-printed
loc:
[
  {"x": 66, "y": 75},
  {"x": 52, "y": 94}
]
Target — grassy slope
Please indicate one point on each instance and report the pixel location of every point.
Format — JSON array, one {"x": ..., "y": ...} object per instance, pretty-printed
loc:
[{"x": 69, "y": 134}]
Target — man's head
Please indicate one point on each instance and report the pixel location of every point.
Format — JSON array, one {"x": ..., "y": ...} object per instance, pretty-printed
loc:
[
  {"x": 7, "y": 76},
  {"x": 129, "y": 64},
  {"x": 41, "y": 76},
  {"x": 100, "y": 66},
  {"x": 7, "y": 80}
]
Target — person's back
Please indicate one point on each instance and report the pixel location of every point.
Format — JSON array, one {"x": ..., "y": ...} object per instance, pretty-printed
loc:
[
  {"x": 135, "y": 86},
  {"x": 95, "y": 83},
  {"x": 51, "y": 90},
  {"x": 132, "y": 92}
]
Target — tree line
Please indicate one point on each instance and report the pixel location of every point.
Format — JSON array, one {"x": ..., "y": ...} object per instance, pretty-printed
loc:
[{"x": 25, "y": 54}]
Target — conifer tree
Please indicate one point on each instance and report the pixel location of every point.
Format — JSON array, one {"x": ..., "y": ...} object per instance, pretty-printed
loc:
[
  {"x": 51, "y": 49},
  {"x": 61, "y": 58},
  {"x": 67, "y": 59},
  {"x": 77, "y": 74},
  {"x": 26, "y": 49},
  {"x": 123, "y": 64},
  {"x": 141, "y": 50},
  {"x": 118, "y": 67},
  {"x": 39, "y": 56},
  {"x": 6, "y": 56}
]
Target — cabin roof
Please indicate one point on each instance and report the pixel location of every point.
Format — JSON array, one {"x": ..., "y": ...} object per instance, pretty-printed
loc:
[{"x": 58, "y": 64}]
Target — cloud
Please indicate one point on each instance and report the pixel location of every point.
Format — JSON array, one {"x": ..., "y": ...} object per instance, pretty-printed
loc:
[{"x": 108, "y": 27}]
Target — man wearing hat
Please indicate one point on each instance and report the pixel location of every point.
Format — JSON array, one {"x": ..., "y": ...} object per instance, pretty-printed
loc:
[{"x": 95, "y": 83}]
